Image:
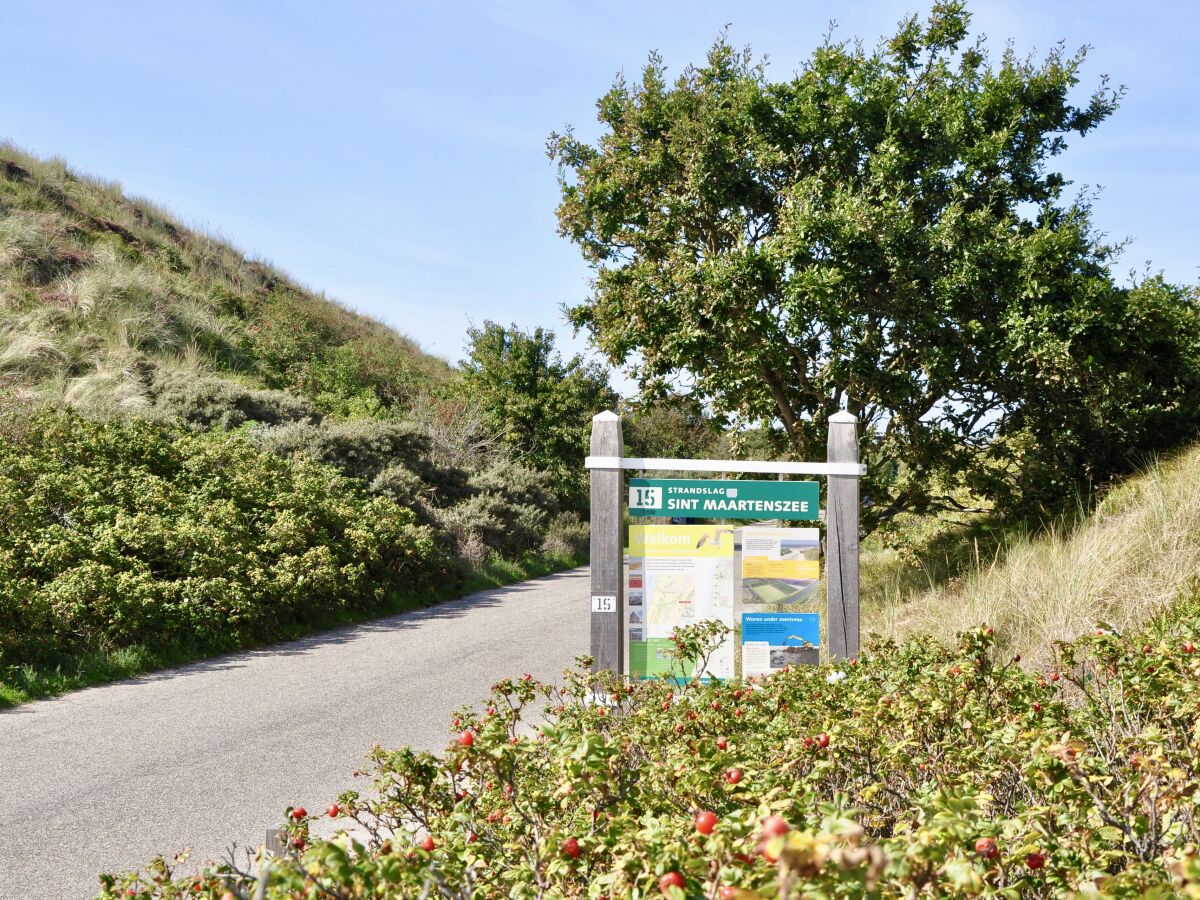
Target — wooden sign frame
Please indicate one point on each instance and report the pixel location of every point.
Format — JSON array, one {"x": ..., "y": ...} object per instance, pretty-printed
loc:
[{"x": 606, "y": 464}]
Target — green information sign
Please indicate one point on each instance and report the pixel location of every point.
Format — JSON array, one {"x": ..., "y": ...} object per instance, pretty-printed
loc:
[{"x": 711, "y": 499}]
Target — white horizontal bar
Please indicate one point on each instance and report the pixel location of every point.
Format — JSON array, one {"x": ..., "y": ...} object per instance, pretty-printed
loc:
[{"x": 725, "y": 465}]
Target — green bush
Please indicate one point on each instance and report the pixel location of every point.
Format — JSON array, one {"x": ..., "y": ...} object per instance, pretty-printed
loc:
[
  {"x": 917, "y": 770},
  {"x": 567, "y": 536},
  {"x": 121, "y": 533},
  {"x": 212, "y": 402},
  {"x": 391, "y": 456},
  {"x": 507, "y": 512},
  {"x": 361, "y": 448}
]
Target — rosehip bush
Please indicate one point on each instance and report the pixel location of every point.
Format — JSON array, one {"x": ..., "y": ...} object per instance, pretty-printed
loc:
[
  {"x": 916, "y": 770},
  {"x": 123, "y": 533}
]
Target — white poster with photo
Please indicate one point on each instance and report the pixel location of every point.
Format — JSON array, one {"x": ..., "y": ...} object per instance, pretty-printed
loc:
[{"x": 780, "y": 565}]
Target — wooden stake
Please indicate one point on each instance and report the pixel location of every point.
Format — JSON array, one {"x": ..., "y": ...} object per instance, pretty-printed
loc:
[
  {"x": 841, "y": 561},
  {"x": 607, "y": 548}
]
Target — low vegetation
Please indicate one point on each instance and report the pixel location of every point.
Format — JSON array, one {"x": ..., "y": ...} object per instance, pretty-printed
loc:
[
  {"x": 126, "y": 544},
  {"x": 917, "y": 770}
]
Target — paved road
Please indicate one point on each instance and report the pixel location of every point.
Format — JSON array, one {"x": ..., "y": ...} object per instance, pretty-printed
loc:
[{"x": 212, "y": 753}]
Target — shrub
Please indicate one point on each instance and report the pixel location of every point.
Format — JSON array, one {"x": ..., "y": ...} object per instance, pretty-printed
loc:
[
  {"x": 374, "y": 450},
  {"x": 567, "y": 536},
  {"x": 212, "y": 402},
  {"x": 121, "y": 533},
  {"x": 917, "y": 770},
  {"x": 361, "y": 448},
  {"x": 508, "y": 511},
  {"x": 405, "y": 487}
]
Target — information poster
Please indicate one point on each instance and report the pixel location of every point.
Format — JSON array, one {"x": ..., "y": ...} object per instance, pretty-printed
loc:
[
  {"x": 678, "y": 575},
  {"x": 772, "y": 641},
  {"x": 780, "y": 565}
]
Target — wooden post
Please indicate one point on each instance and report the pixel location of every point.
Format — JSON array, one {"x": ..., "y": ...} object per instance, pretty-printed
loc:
[
  {"x": 841, "y": 561},
  {"x": 607, "y": 548},
  {"x": 274, "y": 843}
]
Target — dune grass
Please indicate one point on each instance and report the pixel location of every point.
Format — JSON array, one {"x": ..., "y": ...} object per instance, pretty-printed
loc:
[
  {"x": 100, "y": 291},
  {"x": 1120, "y": 564}
]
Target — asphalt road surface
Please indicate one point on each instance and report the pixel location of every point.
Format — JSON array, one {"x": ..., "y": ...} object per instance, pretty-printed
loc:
[{"x": 211, "y": 754}]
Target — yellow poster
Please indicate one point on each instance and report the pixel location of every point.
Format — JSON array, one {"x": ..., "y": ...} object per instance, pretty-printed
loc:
[
  {"x": 678, "y": 575},
  {"x": 692, "y": 541}
]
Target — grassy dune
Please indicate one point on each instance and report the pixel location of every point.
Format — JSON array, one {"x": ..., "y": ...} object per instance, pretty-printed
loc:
[
  {"x": 103, "y": 296},
  {"x": 1120, "y": 565}
]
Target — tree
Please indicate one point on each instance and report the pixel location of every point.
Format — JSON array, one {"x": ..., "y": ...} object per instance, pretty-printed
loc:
[
  {"x": 541, "y": 405},
  {"x": 883, "y": 233}
]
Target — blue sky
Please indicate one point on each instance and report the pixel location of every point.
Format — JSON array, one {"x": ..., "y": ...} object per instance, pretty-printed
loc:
[{"x": 392, "y": 154}]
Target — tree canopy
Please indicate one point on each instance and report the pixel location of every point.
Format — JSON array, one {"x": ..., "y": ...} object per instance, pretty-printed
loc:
[
  {"x": 540, "y": 404},
  {"x": 882, "y": 232}
]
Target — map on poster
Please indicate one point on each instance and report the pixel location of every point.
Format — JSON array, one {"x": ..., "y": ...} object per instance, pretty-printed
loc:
[
  {"x": 780, "y": 565},
  {"x": 678, "y": 575},
  {"x": 773, "y": 641}
]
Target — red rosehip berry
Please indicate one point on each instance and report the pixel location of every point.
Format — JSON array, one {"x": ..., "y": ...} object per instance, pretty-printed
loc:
[
  {"x": 822, "y": 740},
  {"x": 427, "y": 844},
  {"x": 670, "y": 880},
  {"x": 733, "y": 776},
  {"x": 986, "y": 847},
  {"x": 706, "y": 821},
  {"x": 722, "y": 743},
  {"x": 774, "y": 826},
  {"x": 334, "y": 811},
  {"x": 1035, "y": 860},
  {"x": 466, "y": 738},
  {"x": 299, "y": 813},
  {"x": 571, "y": 848}
]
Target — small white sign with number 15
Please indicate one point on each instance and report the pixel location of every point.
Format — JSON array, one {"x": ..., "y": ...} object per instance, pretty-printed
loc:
[{"x": 604, "y": 603}]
